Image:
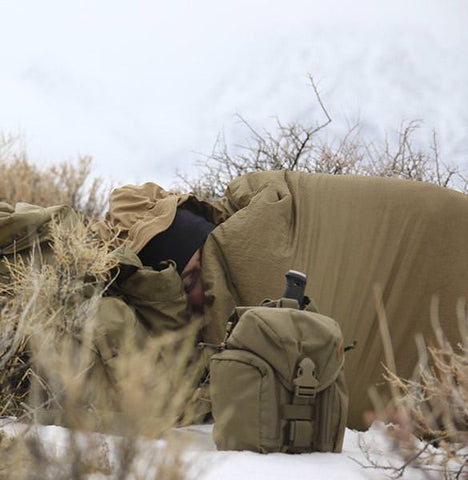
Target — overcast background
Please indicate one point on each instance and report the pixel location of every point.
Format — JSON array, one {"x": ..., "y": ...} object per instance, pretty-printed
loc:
[{"x": 144, "y": 85}]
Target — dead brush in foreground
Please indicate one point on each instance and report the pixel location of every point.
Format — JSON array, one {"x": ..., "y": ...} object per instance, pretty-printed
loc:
[
  {"x": 61, "y": 184},
  {"x": 47, "y": 295},
  {"x": 428, "y": 413},
  {"x": 51, "y": 371}
]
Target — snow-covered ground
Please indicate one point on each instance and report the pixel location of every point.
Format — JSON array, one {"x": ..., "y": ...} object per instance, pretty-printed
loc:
[
  {"x": 142, "y": 85},
  {"x": 204, "y": 462}
]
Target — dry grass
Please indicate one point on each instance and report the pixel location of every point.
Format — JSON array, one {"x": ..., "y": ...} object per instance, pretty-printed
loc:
[
  {"x": 50, "y": 369},
  {"x": 49, "y": 294},
  {"x": 82, "y": 456},
  {"x": 431, "y": 409},
  {"x": 66, "y": 183}
]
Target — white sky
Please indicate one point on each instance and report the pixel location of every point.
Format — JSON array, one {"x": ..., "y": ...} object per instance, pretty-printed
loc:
[{"x": 142, "y": 85}]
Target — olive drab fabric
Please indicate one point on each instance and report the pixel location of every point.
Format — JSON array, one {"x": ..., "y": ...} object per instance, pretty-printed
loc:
[
  {"x": 24, "y": 226},
  {"x": 141, "y": 305},
  {"x": 155, "y": 298},
  {"x": 347, "y": 234},
  {"x": 278, "y": 384}
]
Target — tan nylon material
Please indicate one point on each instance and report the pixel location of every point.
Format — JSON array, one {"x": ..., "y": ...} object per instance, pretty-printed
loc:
[
  {"x": 157, "y": 297},
  {"x": 298, "y": 412},
  {"x": 25, "y": 224},
  {"x": 347, "y": 234},
  {"x": 141, "y": 212},
  {"x": 302, "y": 433},
  {"x": 281, "y": 336},
  {"x": 275, "y": 339},
  {"x": 254, "y": 427}
]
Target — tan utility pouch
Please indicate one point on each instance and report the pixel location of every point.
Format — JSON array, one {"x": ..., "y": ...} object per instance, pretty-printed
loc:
[{"x": 278, "y": 384}]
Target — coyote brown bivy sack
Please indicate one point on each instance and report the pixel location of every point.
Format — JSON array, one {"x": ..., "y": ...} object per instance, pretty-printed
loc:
[
  {"x": 348, "y": 234},
  {"x": 278, "y": 384}
]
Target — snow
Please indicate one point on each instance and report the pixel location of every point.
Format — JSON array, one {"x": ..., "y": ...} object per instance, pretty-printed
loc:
[
  {"x": 143, "y": 85},
  {"x": 204, "y": 462}
]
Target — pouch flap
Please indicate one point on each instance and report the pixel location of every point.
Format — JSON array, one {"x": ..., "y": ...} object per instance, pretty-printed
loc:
[{"x": 284, "y": 336}]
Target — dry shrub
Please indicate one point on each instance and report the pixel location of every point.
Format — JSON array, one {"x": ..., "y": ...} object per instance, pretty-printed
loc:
[
  {"x": 26, "y": 457},
  {"x": 298, "y": 147},
  {"x": 50, "y": 292},
  {"x": 429, "y": 412},
  {"x": 50, "y": 369},
  {"x": 66, "y": 183},
  {"x": 81, "y": 456}
]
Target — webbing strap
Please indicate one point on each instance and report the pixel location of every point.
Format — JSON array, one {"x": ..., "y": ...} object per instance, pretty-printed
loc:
[
  {"x": 288, "y": 303},
  {"x": 300, "y": 434},
  {"x": 298, "y": 412},
  {"x": 301, "y": 413}
]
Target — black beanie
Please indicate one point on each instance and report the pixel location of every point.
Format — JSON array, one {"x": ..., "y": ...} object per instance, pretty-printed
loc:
[{"x": 179, "y": 242}]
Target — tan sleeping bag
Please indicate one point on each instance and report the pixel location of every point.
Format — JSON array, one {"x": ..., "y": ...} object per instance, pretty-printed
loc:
[{"x": 347, "y": 234}]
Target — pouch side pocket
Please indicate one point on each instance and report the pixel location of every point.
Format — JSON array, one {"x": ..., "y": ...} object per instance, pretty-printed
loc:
[{"x": 244, "y": 402}]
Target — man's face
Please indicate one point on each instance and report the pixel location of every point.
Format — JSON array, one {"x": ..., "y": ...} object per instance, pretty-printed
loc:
[{"x": 191, "y": 280}]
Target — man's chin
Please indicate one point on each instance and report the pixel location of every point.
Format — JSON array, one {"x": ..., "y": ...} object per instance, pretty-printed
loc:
[
  {"x": 196, "y": 302},
  {"x": 197, "y": 308}
]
